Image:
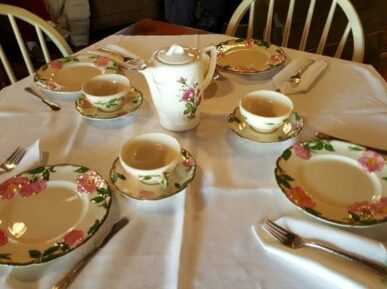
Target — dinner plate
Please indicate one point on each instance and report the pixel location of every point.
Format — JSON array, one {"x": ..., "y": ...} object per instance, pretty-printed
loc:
[
  {"x": 338, "y": 182},
  {"x": 49, "y": 211},
  {"x": 249, "y": 56},
  {"x": 133, "y": 101},
  {"x": 178, "y": 180},
  {"x": 288, "y": 130},
  {"x": 64, "y": 76}
]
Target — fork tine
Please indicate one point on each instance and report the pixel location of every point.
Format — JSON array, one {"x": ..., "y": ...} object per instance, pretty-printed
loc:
[
  {"x": 14, "y": 154},
  {"x": 277, "y": 227},
  {"x": 271, "y": 230},
  {"x": 19, "y": 156}
]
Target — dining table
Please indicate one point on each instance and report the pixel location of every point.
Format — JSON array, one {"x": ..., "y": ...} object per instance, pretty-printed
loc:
[{"x": 209, "y": 234}]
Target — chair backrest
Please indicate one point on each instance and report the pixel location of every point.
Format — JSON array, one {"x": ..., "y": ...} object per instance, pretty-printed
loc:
[
  {"x": 352, "y": 24},
  {"x": 43, "y": 29}
]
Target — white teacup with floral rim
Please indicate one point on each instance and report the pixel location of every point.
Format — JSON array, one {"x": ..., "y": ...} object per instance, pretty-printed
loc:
[
  {"x": 265, "y": 110},
  {"x": 107, "y": 92},
  {"x": 150, "y": 157}
]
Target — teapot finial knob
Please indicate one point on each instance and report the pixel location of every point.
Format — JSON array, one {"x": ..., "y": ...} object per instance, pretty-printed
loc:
[
  {"x": 175, "y": 49},
  {"x": 177, "y": 55}
]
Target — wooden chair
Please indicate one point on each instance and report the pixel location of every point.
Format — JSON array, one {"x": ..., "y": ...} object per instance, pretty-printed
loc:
[
  {"x": 43, "y": 30},
  {"x": 352, "y": 24}
]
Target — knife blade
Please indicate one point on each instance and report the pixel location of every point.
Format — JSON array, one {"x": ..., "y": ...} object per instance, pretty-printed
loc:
[
  {"x": 324, "y": 136},
  {"x": 54, "y": 106},
  {"x": 70, "y": 276}
]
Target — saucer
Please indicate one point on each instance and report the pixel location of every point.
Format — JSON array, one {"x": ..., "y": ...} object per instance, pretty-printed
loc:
[
  {"x": 85, "y": 109},
  {"x": 178, "y": 180},
  {"x": 288, "y": 130}
]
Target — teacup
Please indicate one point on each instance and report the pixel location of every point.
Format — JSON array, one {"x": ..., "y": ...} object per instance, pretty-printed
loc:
[
  {"x": 150, "y": 157},
  {"x": 107, "y": 92},
  {"x": 265, "y": 110}
]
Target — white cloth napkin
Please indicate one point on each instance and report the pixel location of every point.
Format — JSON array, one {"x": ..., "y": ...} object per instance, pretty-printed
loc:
[
  {"x": 344, "y": 273},
  {"x": 31, "y": 159},
  {"x": 120, "y": 51},
  {"x": 281, "y": 82}
]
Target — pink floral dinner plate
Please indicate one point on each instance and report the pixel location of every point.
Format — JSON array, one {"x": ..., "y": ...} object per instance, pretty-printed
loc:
[
  {"x": 249, "y": 56},
  {"x": 178, "y": 180},
  {"x": 64, "y": 76},
  {"x": 49, "y": 211},
  {"x": 338, "y": 182}
]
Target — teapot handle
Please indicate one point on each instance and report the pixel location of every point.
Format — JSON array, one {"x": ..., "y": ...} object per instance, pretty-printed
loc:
[{"x": 208, "y": 77}]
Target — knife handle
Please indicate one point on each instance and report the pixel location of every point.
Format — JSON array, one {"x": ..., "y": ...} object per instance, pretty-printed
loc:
[
  {"x": 325, "y": 136},
  {"x": 70, "y": 276},
  {"x": 362, "y": 261}
]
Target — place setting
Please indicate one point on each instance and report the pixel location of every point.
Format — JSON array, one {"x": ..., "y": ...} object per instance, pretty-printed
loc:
[{"x": 337, "y": 185}]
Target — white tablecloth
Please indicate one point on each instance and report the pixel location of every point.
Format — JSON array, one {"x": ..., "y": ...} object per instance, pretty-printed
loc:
[{"x": 201, "y": 237}]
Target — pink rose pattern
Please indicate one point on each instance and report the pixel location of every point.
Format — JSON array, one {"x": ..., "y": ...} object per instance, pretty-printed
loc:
[
  {"x": 299, "y": 197},
  {"x": 3, "y": 238},
  {"x": 101, "y": 61},
  {"x": 239, "y": 68},
  {"x": 371, "y": 162},
  {"x": 301, "y": 152},
  {"x": 21, "y": 185},
  {"x": 33, "y": 188},
  {"x": 74, "y": 238},
  {"x": 367, "y": 210},
  {"x": 277, "y": 58},
  {"x": 188, "y": 163},
  {"x": 89, "y": 182},
  {"x": 147, "y": 195},
  {"x": 220, "y": 54},
  {"x": 191, "y": 95},
  {"x": 55, "y": 64},
  {"x": 249, "y": 43}
]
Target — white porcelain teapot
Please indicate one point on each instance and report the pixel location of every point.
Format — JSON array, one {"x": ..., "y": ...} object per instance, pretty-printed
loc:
[{"x": 177, "y": 77}]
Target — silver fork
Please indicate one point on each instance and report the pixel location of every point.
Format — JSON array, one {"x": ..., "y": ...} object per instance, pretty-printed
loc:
[
  {"x": 13, "y": 160},
  {"x": 294, "y": 241}
]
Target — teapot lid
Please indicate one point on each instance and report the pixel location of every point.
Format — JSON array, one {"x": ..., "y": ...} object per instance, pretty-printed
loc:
[{"x": 177, "y": 55}]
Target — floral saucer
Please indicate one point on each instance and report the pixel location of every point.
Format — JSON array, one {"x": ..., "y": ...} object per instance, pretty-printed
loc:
[
  {"x": 49, "y": 211},
  {"x": 338, "y": 182},
  {"x": 64, "y": 76},
  {"x": 85, "y": 109},
  {"x": 287, "y": 131},
  {"x": 249, "y": 56},
  {"x": 178, "y": 180}
]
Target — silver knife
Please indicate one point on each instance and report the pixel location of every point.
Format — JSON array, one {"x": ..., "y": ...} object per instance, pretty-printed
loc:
[
  {"x": 70, "y": 276},
  {"x": 324, "y": 136},
  {"x": 52, "y": 105}
]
